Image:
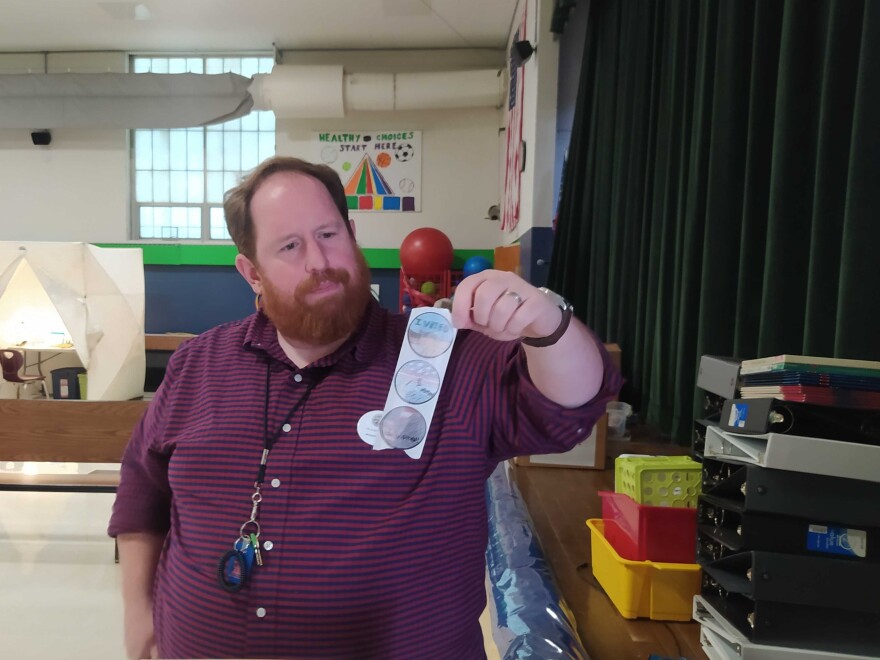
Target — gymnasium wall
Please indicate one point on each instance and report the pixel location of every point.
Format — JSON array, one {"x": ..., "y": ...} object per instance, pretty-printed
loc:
[{"x": 77, "y": 188}]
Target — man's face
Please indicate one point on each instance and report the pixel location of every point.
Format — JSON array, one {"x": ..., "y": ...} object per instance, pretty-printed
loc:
[{"x": 313, "y": 277}]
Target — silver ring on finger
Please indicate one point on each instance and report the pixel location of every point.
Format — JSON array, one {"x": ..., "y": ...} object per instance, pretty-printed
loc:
[{"x": 515, "y": 296}]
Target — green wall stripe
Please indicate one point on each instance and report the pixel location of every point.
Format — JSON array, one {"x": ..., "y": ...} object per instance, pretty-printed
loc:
[{"x": 224, "y": 255}]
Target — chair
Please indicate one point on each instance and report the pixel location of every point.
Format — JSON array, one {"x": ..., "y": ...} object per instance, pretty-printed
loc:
[{"x": 12, "y": 362}]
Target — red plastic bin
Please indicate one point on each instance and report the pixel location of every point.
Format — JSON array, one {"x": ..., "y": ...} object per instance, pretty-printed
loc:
[{"x": 649, "y": 533}]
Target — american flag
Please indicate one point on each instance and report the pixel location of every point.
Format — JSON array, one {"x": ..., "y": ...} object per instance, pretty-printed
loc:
[{"x": 513, "y": 164}]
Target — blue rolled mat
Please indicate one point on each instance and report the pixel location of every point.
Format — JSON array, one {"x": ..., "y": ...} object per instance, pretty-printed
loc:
[{"x": 531, "y": 620}]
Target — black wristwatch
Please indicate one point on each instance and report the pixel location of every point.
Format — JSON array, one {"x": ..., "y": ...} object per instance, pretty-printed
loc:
[{"x": 567, "y": 310}]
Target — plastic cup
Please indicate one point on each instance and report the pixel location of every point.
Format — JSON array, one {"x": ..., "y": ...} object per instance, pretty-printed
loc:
[{"x": 618, "y": 412}]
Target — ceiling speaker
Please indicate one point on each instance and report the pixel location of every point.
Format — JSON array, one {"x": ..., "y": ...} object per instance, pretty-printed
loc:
[{"x": 41, "y": 138}]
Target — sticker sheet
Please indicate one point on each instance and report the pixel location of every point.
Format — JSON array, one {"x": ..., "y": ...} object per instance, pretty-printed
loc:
[{"x": 406, "y": 419}]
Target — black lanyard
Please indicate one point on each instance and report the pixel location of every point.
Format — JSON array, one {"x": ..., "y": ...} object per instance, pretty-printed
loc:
[
  {"x": 236, "y": 565},
  {"x": 269, "y": 441}
]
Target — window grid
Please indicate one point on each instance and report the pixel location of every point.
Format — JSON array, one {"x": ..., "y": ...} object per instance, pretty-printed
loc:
[{"x": 179, "y": 176}]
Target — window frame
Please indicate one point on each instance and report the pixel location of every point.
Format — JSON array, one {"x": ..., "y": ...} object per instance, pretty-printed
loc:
[{"x": 205, "y": 206}]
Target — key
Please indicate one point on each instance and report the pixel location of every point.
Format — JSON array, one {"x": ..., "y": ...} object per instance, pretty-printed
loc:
[{"x": 256, "y": 546}]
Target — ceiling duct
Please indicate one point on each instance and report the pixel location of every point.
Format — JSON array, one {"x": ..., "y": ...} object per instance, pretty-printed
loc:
[
  {"x": 121, "y": 100},
  {"x": 150, "y": 100},
  {"x": 293, "y": 91}
]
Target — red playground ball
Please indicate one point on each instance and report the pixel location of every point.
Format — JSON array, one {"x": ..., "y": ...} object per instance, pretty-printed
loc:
[{"x": 426, "y": 250}]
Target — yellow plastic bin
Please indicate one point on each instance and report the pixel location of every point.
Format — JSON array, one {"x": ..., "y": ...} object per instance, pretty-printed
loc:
[{"x": 643, "y": 589}]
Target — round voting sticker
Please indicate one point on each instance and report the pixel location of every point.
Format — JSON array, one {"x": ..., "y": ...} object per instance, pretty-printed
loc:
[
  {"x": 403, "y": 427},
  {"x": 417, "y": 381},
  {"x": 368, "y": 426},
  {"x": 430, "y": 334}
]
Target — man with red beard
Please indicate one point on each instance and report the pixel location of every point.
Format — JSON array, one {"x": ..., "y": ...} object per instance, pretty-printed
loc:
[{"x": 252, "y": 519}]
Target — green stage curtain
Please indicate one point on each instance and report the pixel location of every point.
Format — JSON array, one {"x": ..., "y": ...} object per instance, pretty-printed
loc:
[{"x": 721, "y": 192}]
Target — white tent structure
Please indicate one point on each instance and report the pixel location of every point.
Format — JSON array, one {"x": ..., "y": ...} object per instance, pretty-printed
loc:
[{"x": 90, "y": 299}]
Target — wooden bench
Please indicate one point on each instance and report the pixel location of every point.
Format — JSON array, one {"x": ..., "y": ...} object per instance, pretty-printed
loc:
[
  {"x": 59, "y": 431},
  {"x": 66, "y": 432}
]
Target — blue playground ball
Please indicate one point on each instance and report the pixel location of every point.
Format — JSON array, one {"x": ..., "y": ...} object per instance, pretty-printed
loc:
[{"x": 474, "y": 265}]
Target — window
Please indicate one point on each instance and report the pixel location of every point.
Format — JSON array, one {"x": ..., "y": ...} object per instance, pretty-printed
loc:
[{"x": 179, "y": 175}]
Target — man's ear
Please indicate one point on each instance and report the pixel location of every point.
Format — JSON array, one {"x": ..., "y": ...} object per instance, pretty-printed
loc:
[{"x": 249, "y": 272}]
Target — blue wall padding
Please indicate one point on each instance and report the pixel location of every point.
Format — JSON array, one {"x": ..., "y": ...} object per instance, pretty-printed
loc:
[{"x": 196, "y": 298}]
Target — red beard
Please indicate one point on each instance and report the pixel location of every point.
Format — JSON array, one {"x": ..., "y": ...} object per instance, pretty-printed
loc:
[{"x": 330, "y": 318}]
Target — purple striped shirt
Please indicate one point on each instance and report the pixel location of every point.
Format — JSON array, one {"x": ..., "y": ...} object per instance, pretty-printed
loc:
[{"x": 373, "y": 554}]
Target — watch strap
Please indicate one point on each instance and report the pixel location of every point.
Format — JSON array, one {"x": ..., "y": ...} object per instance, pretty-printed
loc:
[{"x": 549, "y": 340}]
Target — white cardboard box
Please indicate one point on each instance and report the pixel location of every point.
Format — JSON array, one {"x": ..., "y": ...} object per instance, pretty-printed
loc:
[{"x": 590, "y": 453}]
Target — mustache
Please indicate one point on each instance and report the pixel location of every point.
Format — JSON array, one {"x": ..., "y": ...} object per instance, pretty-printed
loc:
[{"x": 315, "y": 280}]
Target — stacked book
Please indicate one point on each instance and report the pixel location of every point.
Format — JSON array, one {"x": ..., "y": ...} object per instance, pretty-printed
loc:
[
  {"x": 815, "y": 380},
  {"x": 788, "y": 529}
]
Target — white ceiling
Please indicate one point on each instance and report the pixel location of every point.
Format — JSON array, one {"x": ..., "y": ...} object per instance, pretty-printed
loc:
[{"x": 236, "y": 25}]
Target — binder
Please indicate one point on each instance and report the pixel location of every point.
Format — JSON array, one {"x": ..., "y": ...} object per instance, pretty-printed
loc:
[
  {"x": 718, "y": 375},
  {"x": 698, "y": 440},
  {"x": 712, "y": 406},
  {"x": 761, "y": 490},
  {"x": 722, "y": 641},
  {"x": 725, "y": 526},
  {"x": 793, "y": 537},
  {"x": 769, "y": 415},
  {"x": 849, "y": 460},
  {"x": 822, "y": 629},
  {"x": 798, "y": 580}
]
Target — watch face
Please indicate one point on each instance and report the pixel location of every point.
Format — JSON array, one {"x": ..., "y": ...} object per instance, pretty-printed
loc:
[{"x": 561, "y": 302}]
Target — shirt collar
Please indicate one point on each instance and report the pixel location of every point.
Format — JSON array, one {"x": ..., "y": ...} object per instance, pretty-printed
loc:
[{"x": 363, "y": 345}]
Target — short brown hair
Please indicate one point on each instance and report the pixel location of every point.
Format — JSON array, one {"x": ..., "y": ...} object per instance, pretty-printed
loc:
[{"x": 237, "y": 202}]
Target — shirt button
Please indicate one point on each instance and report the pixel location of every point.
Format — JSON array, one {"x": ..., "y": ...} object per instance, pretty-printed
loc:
[
  {"x": 276, "y": 483},
  {"x": 261, "y": 612},
  {"x": 298, "y": 378},
  {"x": 286, "y": 428},
  {"x": 580, "y": 430},
  {"x": 268, "y": 545}
]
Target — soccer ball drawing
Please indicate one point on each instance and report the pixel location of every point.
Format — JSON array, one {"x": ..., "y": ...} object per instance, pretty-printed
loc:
[{"x": 403, "y": 152}]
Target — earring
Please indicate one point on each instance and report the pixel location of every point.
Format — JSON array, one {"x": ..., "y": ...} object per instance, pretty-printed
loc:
[{"x": 258, "y": 302}]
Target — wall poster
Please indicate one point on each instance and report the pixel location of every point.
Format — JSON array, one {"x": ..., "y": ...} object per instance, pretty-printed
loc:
[{"x": 380, "y": 170}]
